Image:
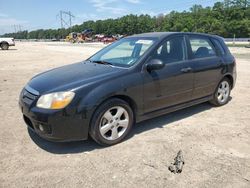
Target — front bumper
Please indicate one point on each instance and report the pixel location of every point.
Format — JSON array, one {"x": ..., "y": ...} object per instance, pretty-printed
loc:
[{"x": 55, "y": 125}]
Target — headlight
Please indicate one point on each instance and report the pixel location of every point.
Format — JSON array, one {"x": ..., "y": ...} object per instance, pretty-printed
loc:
[{"x": 56, "y": 100}]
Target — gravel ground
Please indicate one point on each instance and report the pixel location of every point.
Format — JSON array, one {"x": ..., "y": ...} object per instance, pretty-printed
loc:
[{"x": 215, "y": 141}]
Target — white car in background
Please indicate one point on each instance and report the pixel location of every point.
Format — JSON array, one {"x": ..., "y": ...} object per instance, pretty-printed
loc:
[{"x": 6, "y": 42}]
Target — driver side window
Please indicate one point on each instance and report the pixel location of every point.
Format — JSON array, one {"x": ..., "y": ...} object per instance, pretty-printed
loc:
[{"x": 172, "y": 50}]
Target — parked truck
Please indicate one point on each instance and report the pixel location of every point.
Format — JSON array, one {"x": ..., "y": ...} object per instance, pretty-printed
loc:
[
  {"x": 84, "y": 36},
  {"x": 6, "y": 42}
]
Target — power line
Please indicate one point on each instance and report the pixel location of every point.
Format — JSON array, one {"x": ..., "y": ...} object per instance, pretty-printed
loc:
[
  {"x": 14, "y": 26},
  {"x": 66, "y": 18},
  {"x": 17, "y": 28}
]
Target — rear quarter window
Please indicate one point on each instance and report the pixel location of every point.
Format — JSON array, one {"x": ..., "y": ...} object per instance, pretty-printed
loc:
[{"x": 219, "y": 47}]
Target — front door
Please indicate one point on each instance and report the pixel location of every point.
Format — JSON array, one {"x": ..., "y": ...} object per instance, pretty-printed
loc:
[{"x": 172, "y": 84}]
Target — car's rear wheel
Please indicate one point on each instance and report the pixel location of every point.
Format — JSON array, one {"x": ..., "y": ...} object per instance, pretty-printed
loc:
[
  {"x": 111, "y": 122},
  {"x": 5, "y": 46},
  {"x": 222, "y": 93}
]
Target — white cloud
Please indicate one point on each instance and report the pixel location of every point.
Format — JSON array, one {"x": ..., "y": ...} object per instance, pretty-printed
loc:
[
  {"x": 3, "y": 15},
  {"x": 6, "y": 20},
  {"x": 153, "y": 13},
  {"x": 7, "y": 23},
  {"x": 149, "y": 12},
  {"x": 107, "y": 6},
  {"x": 134, "y": 1},
  {"x": 87, "y": 16},
  {"x": 11, "y": 21},
  {"x": 80, "y": 18}
]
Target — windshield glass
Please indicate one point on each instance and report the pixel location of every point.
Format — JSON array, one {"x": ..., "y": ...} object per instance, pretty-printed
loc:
[{"x": 123, "y": 53}]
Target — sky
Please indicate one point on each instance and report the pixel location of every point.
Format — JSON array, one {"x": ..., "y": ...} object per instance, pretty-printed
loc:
[{"x": 44, "y": 14}]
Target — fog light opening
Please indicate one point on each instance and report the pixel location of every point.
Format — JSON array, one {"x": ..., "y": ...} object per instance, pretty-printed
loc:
[{"x": 41, "y": 128}]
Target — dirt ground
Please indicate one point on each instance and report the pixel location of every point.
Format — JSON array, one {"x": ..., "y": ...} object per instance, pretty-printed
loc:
[{"x": 215, "y": 141}]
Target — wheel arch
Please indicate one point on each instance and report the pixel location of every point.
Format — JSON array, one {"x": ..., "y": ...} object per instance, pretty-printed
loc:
[
  {"x": 230, "y": 78},
  {"x": 3, "y": 42},
  {"x": 125, "y": 98}
]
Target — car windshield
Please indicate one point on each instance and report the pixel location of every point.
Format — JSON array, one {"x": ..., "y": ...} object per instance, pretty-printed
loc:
[{"x": 123, "y": 53}]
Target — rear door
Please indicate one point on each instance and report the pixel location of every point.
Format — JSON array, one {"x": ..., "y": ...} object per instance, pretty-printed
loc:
[
  {"x": 172, "y": 84},
  {"x": 206, "y": 64}
]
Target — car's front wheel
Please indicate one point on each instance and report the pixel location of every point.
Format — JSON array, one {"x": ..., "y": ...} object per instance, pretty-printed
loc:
[
  {"x": 111, "y": 122},
  {"x": 222, "y": 93}
]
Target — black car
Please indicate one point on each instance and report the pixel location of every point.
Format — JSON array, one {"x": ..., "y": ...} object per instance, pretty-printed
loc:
[{"x": 134, "y": 79}]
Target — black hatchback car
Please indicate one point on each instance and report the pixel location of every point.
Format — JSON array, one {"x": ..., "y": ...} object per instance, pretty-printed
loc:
[{"x": 134, "y": 79}]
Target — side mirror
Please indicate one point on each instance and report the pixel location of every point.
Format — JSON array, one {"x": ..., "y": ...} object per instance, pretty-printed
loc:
[{"x": 154, "y": 64}]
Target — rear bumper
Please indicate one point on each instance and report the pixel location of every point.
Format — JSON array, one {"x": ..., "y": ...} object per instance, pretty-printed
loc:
[{"x": 55, "y": 125}]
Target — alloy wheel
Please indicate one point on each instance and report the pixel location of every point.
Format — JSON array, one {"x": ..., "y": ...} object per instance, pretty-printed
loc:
[
  {"x": 114, "y": 123},
  {"x": 223, "y": 92}
]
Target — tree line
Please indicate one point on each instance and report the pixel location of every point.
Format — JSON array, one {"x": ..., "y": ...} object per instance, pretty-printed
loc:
[{"x": 228, "y": 19}]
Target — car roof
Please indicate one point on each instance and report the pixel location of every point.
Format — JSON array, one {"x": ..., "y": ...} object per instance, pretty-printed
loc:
[{"x": 165, "y": 34}]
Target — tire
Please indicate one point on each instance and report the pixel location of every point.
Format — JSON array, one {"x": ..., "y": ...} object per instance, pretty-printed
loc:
[
  {"x": 111, "y": 122},
  {"x": 5, "y": 46},
  {"x": 222, "y": 93}
]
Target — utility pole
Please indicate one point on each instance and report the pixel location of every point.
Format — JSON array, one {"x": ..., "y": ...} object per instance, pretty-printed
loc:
[
  {"x": 68, "y": 21},
  {"x": 61, "y": 18},
  {"x": 70, "y": 15},
  {"x": 14, "y": 28},
  {"x": 20, "y": 28}
]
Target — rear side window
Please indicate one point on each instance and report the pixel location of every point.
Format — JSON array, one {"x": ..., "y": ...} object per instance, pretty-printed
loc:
[
  {"x": 172, "y": 50},
  {"x": 219, "y": 47},
  {"x": 201, "y": 47}
]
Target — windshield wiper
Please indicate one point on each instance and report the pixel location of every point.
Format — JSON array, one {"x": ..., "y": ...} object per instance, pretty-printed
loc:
[{"x": 102, "y": 62}]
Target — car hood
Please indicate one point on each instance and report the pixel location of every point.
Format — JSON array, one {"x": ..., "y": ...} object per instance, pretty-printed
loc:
[{"x": 71, "y": 76}]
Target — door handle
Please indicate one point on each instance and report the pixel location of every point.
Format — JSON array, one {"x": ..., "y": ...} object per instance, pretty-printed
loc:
[{"x": 187, "y": 69}]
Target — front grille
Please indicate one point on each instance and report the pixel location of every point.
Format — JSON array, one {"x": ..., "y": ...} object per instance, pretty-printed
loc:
[{"x": 28, "y": 97}]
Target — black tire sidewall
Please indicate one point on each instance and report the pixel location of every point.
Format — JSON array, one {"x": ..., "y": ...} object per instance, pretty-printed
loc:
[{"x": 94, "y": 127}]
